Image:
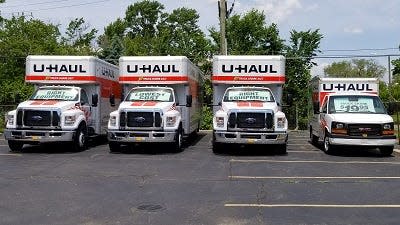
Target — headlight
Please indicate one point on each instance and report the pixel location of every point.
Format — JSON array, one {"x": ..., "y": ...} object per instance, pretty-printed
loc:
[
  {"x": 339, "y": 128},
  {"x": 113, "y": 121},
  {"x": 69, "y": 120},
  {"x": 220, "y": 121},
  {"x": 281, "y": 122},
  {"x": 10, "y": 119},
  {"x": 388, "y": 129},
  {"x": 170, "y": 121}
]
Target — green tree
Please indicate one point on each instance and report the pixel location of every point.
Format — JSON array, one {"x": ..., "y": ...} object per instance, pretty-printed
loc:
[
  {"x": 78, "y": 38},
  {"x": 19, "y": 38},
  {"x": 355, "y": 68},
  {"x": 249, "y": 35},
  {"x": 302, "y": 47},
  {"x": 396, "y": 71}
]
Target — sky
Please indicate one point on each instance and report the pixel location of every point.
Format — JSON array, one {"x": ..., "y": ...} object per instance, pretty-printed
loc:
[{"x": 350, "y": 27}]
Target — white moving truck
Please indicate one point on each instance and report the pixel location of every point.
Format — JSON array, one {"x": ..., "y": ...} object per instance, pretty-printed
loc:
[
  {"x": 248, "y": 90},
  {"x": 162, "y": 104},
  {"x": 348, "y": 111},
  {"x": 73, "y": 98}
]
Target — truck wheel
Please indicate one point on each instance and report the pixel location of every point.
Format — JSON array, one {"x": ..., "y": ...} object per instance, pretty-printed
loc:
[
  {"x": 15, "y": 146},
  {"x": 386, "y": 150},
  {"x": 328, "y": 148},
  {"x": 80, "y": 138},
  {"x": 178, "y": 140},
  {"x": 114, "y": 146},
  {"x": 216, "y": 147},
  {"x": 313, "y": 138}
]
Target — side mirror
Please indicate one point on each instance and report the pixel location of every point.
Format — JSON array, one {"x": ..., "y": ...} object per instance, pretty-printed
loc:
[
  {"x": 219, "y": 103},
  {"x": 289, "y": 99},
  {"x": 112, "y": 100},
  {"x": 189, "y": 100},
  {"x": 391, "y": 108},
  {"x": 95, "y": 100}
]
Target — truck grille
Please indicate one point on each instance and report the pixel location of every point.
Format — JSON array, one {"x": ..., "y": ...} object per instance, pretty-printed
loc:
[
  {"x": 250, "y": 120},
  {"x": 37, "y": 118},
  {"x": 140, "y": 119},
  {"x": 368, "y": 129}
]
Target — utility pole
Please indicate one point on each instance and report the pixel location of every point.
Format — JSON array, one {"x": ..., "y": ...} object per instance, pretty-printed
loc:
[{"x": 222, "y": 24}]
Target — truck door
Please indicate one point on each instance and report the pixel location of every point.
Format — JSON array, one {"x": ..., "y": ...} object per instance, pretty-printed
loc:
[
  {"x": 86, "y": 108},
  {"x": 322, "y": 118}
]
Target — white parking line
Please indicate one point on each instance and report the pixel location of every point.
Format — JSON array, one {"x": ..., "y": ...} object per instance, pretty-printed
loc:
[
  {"x": 306, "y": 151},
  {"x": 311, "y": 205},
  {"x": 307, "y": 161},
  {"x": 10, "y": 154},
  {"x": 309, "y": 177}
]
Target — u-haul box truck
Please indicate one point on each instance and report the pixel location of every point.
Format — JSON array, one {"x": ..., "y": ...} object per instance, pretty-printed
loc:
[
  {"x": 162, "y": 104},
  {"x": 248, "y": 90},
  {"x": 70, "y": 102},
  {"x": 348, "y": 111}
]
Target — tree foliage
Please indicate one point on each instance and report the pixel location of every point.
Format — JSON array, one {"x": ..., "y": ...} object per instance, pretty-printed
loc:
[
  {"x": 355, "y": 68},
  {"x": 302, "y": 47},
  {"x": 249, "y": 35}
]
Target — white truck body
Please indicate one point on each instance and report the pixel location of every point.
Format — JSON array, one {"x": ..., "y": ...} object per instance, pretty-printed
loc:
[
  {"x": 65, "y": 87},
  {"x": 348, "y": 111},
  {"x": 248, "y": 91},
  {"x": 162, "y": 104}
]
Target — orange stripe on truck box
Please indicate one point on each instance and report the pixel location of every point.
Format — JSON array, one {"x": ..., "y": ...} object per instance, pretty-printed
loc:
[
  {"x": 181, "y": 78},
  {"x": 241, "y": 78}
]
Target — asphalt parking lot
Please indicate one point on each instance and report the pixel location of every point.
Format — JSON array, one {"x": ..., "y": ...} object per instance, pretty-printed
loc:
[{"x": 244, "y": 185}]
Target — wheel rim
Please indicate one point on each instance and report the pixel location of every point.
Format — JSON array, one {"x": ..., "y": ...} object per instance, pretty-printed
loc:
[
  {"x": 179, "y": 140},
  {"x": 326, "y": 144},
  {"x": 81, "y": 139}
]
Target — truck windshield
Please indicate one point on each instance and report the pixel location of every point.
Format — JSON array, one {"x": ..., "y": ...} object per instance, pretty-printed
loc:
[
  {"x": 248, "y": 94},
  {"x": 356, "y": 104},
  {"x": 56, "y": 93},
  {"x": 150, "y": 94}
]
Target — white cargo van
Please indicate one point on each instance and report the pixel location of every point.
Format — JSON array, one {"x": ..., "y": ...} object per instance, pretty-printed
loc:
[
  {"x": 248, "y": 91},
  {"x": 162, "y": 102},
  {"x": 348, "y": 111},
  {"x": 72, "y": 100}
]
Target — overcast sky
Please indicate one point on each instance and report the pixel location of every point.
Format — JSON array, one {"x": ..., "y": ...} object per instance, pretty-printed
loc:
[{"x": 346, "y": 24}]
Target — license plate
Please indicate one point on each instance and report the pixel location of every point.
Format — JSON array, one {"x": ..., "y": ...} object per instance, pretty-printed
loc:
[
  {"x": 139, "y": 138},
  {"x": 35, "y": 138},
  {"x": 251, "y": 141}
]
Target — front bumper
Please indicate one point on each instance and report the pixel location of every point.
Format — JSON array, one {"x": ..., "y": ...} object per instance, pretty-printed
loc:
[
  {"x": 141, "y": 136},
  {"x": 38, "y": 136},
  {"x": 361, "y": 141},
  {"x": 250, "y": 138}
]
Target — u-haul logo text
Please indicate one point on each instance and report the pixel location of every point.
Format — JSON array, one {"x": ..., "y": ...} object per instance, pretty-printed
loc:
[
  {"x": 249, "y": 69},
  {"x": 58, "y": 68},
  {"x": 152, "y": 69},
  {"x": 346, "y": 87}
]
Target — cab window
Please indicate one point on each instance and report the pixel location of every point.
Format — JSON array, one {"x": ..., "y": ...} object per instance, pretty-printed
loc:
[{"x": 84, "y": 98}]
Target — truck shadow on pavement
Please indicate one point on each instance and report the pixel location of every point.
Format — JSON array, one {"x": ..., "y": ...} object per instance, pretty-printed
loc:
[
  {"x": 353, "y": 151},
  {"x": 160, "y": 148},
  {"x": 251, "y": 150}
]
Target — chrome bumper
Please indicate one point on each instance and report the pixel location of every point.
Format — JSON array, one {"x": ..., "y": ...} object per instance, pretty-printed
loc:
[
  {"x": 39, "y": 136},
  {"x": 362, "y": 142},
  {"x": 141, "y": 136},
  {"x": 250, "y": 138}
]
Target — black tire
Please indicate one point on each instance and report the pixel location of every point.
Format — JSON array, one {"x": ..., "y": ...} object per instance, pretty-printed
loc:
[
  {"x": 178, "y": 140},
  {"x": 114, "y": 146},
  {"x": 386, "y": 150},
  {"x": 80, "y": 139},
  {"x": 327, "y": 147},
  {"x": 15, "y": 146},
  {"x": 313, "y": 138}
]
